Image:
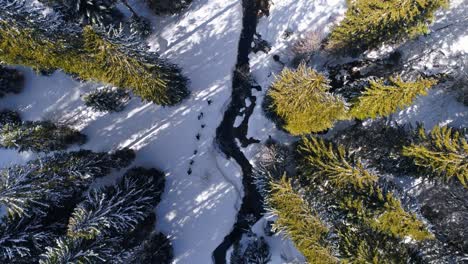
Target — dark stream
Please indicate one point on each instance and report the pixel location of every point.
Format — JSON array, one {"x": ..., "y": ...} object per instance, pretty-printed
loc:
[{"x": 226, "y": 133}]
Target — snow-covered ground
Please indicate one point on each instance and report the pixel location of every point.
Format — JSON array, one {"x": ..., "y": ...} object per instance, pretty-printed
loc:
[{"x": 199, "y": 209}]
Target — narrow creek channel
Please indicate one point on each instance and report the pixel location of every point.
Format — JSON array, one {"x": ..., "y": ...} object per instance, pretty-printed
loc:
[{"x": 227, "y": 133}]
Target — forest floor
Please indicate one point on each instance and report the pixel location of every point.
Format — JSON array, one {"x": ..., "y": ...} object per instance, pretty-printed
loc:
[{"x": 203, "y": 188}]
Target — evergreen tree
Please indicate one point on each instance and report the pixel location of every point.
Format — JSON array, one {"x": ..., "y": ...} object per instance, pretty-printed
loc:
[
  {"x": 156, "y": 249},
  {"x": 236, "y": 254},
  {"x": 117, "y": 209},
  {"x": 47, "y": 43},
  {"x": 99, "y": 225},
  {"x": 22, "y": 239},
  {"x": 11, "y": 81},
  {"x": 82, "y": 167},
  {"x": 10, "y": 118},
  {"x": 107, "y": 99},
  {"x": 327, "y": 164},
  {"x": 369, "y": 23},
  {"x": 96, "y": 12},
  {"x": 443, "y": 152},
  {"x": 382, "y": 99},
  {"x": 78, "y": 250},
  {"x": 55, "y": 181},
  {"x": 302, "y": 100},
  {"x": 39, "y": 136},
  {"x": 299, "y": 222},
  {"x": 257, "y": 251},
  {"x": 24, "y": 189},
  {"x": 362, "y": 245},
  {"x": 352, "y": 197},
  {"x": 168, "y": 7}
]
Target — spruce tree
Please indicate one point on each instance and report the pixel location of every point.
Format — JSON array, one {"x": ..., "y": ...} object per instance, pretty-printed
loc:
[
  {"x": 257, "y": 251},
  {"x": 95, "y": 12},
  {"x": 384, "y": 98},
  {"x": 157, "y": 248},
  {"x": 107, "y": 99},
  {"x": 324, "y": 164},
  {"x": 117, "y": 209},
  {"x": 11, "y": 81},
  {"x": 39, "y": 136},
  {"x": 299, "y": 222},
  {"x": 302, "y": 100},
  {"x": 99, "y": 225},
  {"x": 351, "y": 195},
  {"x": 168, "y": 7},
  {"x": 370, "y": 23},
  {"x": 22, "y": 239},
  {"x": 48, "y": 43},
  {"x": 443, "y": 153},
  {"x": 10, "y": 118},
  {"x": 55, "y": 181}
]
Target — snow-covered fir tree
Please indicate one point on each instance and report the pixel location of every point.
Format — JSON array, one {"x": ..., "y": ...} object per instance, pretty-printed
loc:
[
  {"x": 11, "y": 81},
  {"x": 26, "y": 190},
  {"x": 117, "y": 209},
  {"x": 39, "y": 136},
  {"x": 10, "y": 118},
  {"x": 22, "y": 239},
  {"x": 96, "y": 12},
  {"x": 157, "y": 248},
  {"x": 107, "y": 99},
  {"x": 168, "y": 7}
]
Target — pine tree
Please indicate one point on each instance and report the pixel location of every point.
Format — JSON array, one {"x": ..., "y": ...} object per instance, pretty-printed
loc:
[
  {"x": 398, "y": 223},
  {"x": 359, "y": 244},
  {"x": 326, "y": 164},
  {"x": 370, "y": 23},
  {"x": 443, "y": 152},
  {"x": 24, "y": 190},
  {"x": 54, "y": 181},
  {"x": 157, "y": 248},
  {"x": 117, "y": 209},
  {"x": 299, "y": 222},
  {"x": 168, "y": 7},
  {"x": 95, "y": 12},
  {"x": 82, "y": 167},
  {"x": 302, "y": 100},
  {"x": 107, "y": 99},
  {"x": 22, "y": 239},
  {"x": 10, "y": 118},
  {"x": 11, "y": 81},
  {"x": 48, "y": 43},
  {"x": 39, "y": 136},
  {"x": 257, "y": 251},
  {"x": 382, "y": 99},
  {"x": 236, "y": 254},
  {"x": 348, "y": 189},
  {"x": 100, "y": 224},
  {"x": 78, "y": 250}
]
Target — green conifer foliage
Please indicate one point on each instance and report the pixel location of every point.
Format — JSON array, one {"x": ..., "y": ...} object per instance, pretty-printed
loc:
[
  {"x": 443, "y": 152},
  {"x": 398, "y": 223},
  {"x": 369, "y": 23},
  {"x": 40, "y": 136},
  {"x": 350, "y": 190},
  {"x": 91, "y": 57},
  {"x": 299, "y": 222},
  {"x": 327, "y": 163},
  {"x": 302, "y": 99},
  {"x": 358, "y": 244},
  {"x": 382, "y": 99}
]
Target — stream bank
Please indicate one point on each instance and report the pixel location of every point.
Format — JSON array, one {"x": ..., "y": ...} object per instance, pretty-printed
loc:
[{"x": 226, "y": 134}]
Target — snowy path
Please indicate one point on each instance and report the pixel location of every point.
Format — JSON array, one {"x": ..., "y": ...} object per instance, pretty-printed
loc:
[{"x": 199, "y": 209}]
